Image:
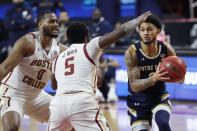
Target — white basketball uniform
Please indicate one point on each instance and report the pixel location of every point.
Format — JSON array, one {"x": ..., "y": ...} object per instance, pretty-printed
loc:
[
  {"x": 22, "y": 88},
  {"x": 75, "y": 102}
]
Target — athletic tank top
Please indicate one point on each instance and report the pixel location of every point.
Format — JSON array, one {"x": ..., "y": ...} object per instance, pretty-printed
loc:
[
  {"x": 147, "y": 66},
  {"x": 33, "y": 72},
  {"x": 75, "y": 68}
]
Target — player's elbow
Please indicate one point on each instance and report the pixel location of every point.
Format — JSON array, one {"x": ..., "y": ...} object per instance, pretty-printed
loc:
[
  {"x": 4, "y": 70},
  {"x": 54, "y": 86},
  {"x": 134, "y": 88}
]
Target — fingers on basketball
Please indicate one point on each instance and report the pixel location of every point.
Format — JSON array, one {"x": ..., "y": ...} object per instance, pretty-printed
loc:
[{"x": 175, "y": 67}]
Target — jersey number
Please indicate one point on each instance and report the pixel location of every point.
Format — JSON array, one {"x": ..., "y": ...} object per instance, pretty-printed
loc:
[
  {"x": 40, "y": 74},
  {"x": 69, "y": 67}
]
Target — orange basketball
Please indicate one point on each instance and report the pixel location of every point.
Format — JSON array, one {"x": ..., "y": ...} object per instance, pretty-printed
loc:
[{"x": 175, "y": 67}]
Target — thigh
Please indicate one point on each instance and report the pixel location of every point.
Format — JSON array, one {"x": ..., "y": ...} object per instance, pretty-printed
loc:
[
  {"x": 139, "y": 119},
  {"x": 86, "y": 114},
  {"x": 59, "y": 109},
  {"x": 59, "y": 123},
  {"x": 56, "y": 123},
  {"x": 38, "y": 108},
  {"x": 11, "y": 111},
  {"x": 11, "y": 102},
  {"x": 90, "y": 120}
]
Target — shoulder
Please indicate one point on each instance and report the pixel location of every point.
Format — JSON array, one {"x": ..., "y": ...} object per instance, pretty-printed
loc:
[
  {"x": 62, "y": 47},
  {"x": 26, "y": 43},
  {"x": 95, "y": 42},
  {"x": 170, "y": 49},
  {"x": 131, "y": 50},
  {"x": 130, "y": 54},
  {"x": 95, "y": 39}
]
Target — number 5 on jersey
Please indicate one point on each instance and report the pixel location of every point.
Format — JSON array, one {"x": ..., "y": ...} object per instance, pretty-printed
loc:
[{"x": 68, "y": 66}]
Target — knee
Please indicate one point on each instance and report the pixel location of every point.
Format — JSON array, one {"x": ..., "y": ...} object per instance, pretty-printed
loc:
[
  {"x": 11, "y": 121},
  {"x": 162, "y": 123},
  {"x": 162, "y": 118},
  {"x": 8, "y": 127}
]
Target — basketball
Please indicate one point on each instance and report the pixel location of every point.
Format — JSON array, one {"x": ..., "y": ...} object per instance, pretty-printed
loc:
[{"x": 175, "y": 67}]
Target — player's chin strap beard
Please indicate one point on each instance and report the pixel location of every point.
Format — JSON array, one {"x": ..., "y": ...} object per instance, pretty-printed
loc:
[{"x": 148, "y": 43}]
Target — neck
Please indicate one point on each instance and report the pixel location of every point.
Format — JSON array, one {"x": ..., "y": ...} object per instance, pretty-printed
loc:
[
  {"x": 45, "y": 41},
  {"x": 150, "y": 49}
]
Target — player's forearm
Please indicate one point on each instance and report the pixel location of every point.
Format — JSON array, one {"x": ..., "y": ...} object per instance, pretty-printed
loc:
[
  {"x": 130, "y": 26},
  {"x": 115, "y": 35},
  {"x": 110, "y": 38},
  {"x": 142, "y": 84},
  {"x": 2, "y": 72}
]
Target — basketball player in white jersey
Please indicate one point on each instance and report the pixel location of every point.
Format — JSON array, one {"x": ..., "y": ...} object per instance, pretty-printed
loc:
[
  {"x": 74, "y": 75},
  {"x": 26, "y": 71}
]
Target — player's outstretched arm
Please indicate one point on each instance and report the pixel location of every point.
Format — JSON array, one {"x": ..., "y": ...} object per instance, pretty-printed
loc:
[
  {"x": 23, "y": 47},
  {"x": 133, "y": 72},
  {"x": 125, "y": 28}
]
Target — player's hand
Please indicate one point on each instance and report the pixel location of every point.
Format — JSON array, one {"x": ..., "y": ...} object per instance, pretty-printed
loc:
[
  {"x": 143, "y": 16},
  {"x": 161, "y": 74},
  {"x": 131, "y": 25}
]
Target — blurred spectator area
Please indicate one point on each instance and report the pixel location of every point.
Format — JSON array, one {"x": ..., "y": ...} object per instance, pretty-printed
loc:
[
  {"x": 175, "y": 14},
  {"x": 179, "y": 31}
]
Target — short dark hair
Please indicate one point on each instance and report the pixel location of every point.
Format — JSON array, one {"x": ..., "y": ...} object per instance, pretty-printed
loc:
[
  {"x": 155, "y": 20},
  {"x": 42, "y": 14},
  {"x": 76, "y": 32}
]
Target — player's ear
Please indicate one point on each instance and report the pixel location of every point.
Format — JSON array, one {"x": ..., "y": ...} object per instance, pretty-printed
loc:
[
  {"x": 39, "y": 24},
  {"x": 137, "y": 29},
  {"x": 87, "y": 39},
  {"x": 158, "y": 31}
]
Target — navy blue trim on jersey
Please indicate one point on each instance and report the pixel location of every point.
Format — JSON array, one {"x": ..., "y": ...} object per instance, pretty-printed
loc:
[{"x": 147, "y": 66}]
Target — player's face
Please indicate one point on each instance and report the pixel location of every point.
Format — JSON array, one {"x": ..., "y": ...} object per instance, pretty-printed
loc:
[
  {"x": 50, "y": 25},
  {"x": 148, "y": 32}
]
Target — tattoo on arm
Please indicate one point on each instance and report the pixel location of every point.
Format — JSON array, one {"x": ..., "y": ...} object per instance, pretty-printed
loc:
[{"x": 133, "y": 71}]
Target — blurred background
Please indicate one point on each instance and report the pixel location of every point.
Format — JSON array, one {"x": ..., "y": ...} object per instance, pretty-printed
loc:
[{"x": 18, "y": 17}]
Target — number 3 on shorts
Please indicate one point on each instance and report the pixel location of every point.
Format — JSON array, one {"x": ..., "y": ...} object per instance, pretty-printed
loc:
[{"x": 4, "y": 103}]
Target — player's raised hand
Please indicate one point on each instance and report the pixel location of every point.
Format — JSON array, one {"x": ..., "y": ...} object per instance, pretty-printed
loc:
[
  {"x": 131, "y": 25},
  {"x": 143, "y": 16}
]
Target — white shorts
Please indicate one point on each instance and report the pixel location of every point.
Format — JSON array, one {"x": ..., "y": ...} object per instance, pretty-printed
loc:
[
  {"x": 78, "y": 111},
  {"x": 33, "y": 104}
]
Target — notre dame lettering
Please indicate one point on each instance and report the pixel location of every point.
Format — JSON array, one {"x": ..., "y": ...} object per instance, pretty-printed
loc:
[{"x": 148, "y": 68}]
